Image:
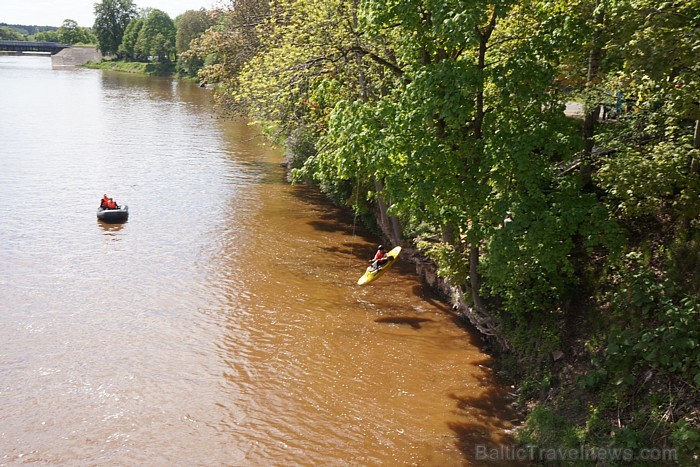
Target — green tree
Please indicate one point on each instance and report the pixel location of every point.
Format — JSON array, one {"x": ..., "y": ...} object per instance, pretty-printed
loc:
[
  {"x": 456, "y": 144},
  {"x": 46, "y": 36},
  {"x": 450, "y": 115},
  {"x": 227, "y": 46},
  {"x": 313, "y": 55},
  {"x": 71, "y": 33},
  {"x": 156, "y": 37},
  {"x": 10, "y": 34},
  {"x": 111, "y": 20},
  {"x": 190, "y": 25},
  {"x": 302, "y": 43},
  {"x": 127, "y": 49},
  {"x": 656, "y": 166}
]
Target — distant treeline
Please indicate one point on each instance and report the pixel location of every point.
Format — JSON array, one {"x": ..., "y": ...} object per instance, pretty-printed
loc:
[
  {"x": 27, "y": 30},
  {"x": 69, "y": 32}
]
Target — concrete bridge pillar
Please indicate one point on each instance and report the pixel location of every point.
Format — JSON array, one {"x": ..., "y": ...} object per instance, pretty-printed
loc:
[{"x": 75, "y": 55}]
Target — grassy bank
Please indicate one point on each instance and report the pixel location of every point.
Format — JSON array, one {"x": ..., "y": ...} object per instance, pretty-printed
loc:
[{"x": 153, "y": 69}]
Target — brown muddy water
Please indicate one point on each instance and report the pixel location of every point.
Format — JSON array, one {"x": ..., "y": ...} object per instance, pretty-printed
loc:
[{"x": 221, "y": 325}]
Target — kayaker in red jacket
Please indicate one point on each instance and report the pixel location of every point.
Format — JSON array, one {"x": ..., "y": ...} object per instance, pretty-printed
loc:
[{"x": 380, "y": 258}]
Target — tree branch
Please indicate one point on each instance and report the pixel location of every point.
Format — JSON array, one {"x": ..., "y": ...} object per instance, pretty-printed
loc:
[{"x": 391, "y": 66}]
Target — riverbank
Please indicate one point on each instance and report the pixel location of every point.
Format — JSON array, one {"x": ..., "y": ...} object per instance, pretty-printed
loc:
[
  {"x": 145, "y": 68},
  {"x": 589, "y": 381},
  {"x": 593, "y": 374}
]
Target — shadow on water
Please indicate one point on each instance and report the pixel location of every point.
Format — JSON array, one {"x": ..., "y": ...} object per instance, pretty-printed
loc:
[
  {"x": 413, "y": 321},
  {"x": 476, "y": 438},
  {"x": 311, "y": 195},
  {"x": 425, "y": 293},
  {"x": 330, "y": 218},
  {"x": 354, "y": 249}
]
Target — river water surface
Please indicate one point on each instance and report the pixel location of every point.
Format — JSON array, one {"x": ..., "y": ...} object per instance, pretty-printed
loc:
[{"x": 221, "y": 325}]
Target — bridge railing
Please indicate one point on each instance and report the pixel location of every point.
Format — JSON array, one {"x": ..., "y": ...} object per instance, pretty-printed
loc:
[{"x": 25, "y": 46}]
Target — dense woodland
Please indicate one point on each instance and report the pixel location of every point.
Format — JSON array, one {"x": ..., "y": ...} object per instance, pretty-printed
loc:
[{"x": 572, "y": 242}]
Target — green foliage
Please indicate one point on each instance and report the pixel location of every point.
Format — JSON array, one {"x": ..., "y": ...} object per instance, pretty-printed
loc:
[
  {"x": 156, "y": 38},
  {"x": 71, "y": 33},
  {"x": 641, "y": 181},
  {"x": 451, "y": 264},
  {"x": 25, "y": 30},
  {"x": 11, "y": 34},
  {"x": 226, "y": 47},
  {"x": 46, "y": 36},
  {"x": 301, "y": 145},
  {"x": 149, "y": 38},
  {"x": 652, "y": 152},
  {"x": 648, "y": 171},
  {"x": 531, "y": 261},
  {"x": 546, "y": 429},
  {"x": 146, "y": 68},
  {"x": 665, "y": 334},
  {"x": 190, "y": 26},
  {"x": 687, "y": 439},
  {"x": 683, "y": 258},
  {"x": 127, "y": 49},
  {"x": 296, "y": 58},
  {"x": 111, "y": 19},
  {"x": 536, "y": 336}
]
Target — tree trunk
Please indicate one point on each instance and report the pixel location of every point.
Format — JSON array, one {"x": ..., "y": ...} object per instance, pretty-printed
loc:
[
  {"x": 448, "y": 235},
  {"x": 695, "y": 161},
  {"x": 383, "y": 217},
  {"x": 480, "y": 112},
  {"x": 390, "y": 225},
  {"x": 591, "y": 117},
  {"x": 474, "y": 279}
]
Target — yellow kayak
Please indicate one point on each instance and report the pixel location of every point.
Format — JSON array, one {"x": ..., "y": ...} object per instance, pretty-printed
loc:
[{"x": 373, "y": 275}]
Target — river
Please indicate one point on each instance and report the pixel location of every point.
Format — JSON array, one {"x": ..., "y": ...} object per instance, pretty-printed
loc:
[{"x": 221, "y": 325}]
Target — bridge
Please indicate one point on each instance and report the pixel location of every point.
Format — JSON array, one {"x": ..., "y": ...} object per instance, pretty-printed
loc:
[{"x": 42, "y": 47}]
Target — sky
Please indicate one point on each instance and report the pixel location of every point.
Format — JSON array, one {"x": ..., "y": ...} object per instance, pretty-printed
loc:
[{"x": 53, "y": 12}]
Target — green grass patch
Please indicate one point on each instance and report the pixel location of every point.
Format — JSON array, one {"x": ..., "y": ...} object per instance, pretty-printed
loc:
[{"x": 144, "y": 68}]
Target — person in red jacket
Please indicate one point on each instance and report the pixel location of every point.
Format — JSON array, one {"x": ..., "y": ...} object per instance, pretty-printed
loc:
[
  {"x": 380, "y": 258},
  {"x": 111, "y": 204},
  {"x": 104, "y": 201}
]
